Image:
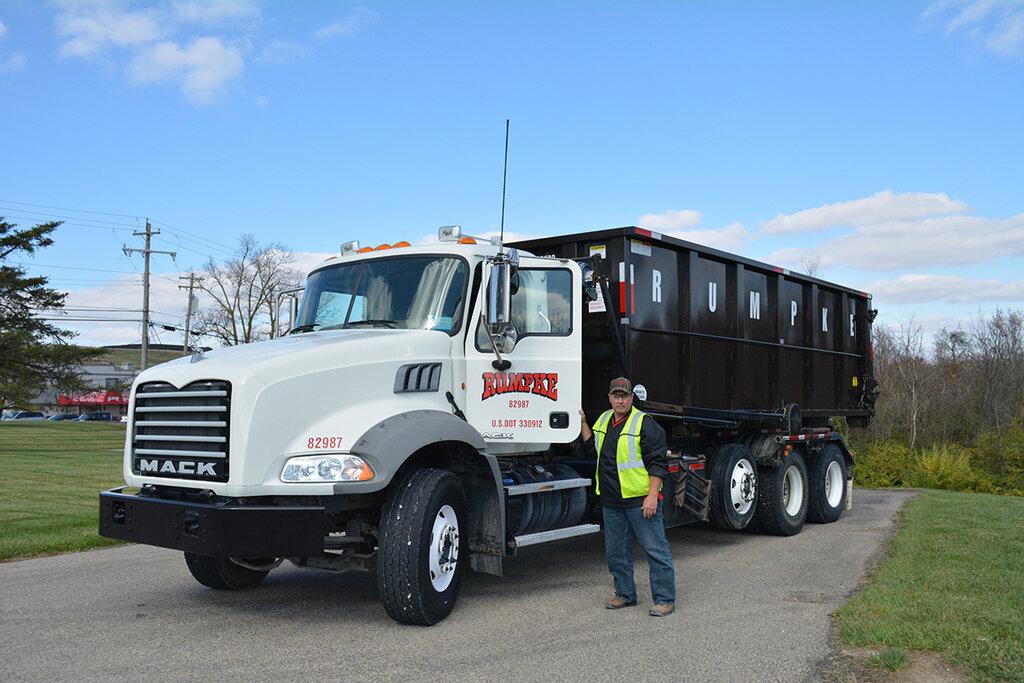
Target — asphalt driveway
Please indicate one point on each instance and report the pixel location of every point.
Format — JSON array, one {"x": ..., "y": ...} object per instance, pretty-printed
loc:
[{"x": 750, "y": 608}]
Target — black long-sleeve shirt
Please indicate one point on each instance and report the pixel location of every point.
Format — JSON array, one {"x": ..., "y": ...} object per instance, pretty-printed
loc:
[{"x": 652, "y": 450}]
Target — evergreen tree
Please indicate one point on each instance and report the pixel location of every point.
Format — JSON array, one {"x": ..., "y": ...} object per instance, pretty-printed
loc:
[{"x": 34, "y": 354}]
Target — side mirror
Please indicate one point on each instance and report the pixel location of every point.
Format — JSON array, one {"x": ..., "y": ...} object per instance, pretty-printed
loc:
[
  {"x": 292, "y": 297},
  {"x": 499, "y": 297}
]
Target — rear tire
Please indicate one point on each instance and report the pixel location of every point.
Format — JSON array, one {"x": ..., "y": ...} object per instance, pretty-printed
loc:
[
  {"x": 422, "y": 547},
  {"x": 221, "y": 573},
  {"x": 827, "y": 478},
  {"x": 734, "y": 487},
  {"x": 782, "y": 504}
]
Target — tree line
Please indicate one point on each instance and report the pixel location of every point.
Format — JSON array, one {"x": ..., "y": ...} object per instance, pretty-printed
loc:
[{"x": 957, "y": 398}]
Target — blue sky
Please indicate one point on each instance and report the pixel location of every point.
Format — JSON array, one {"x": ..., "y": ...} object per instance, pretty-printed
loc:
[{"x": 884, "y": 137}]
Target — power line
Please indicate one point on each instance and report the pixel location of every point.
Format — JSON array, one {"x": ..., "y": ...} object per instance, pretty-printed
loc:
[
  {"x": 93, "y": 308},
  {"x": 64, "y": 208},
  {"x": 205, "y": 239},
  {"x": 102, "y": 223},
  {"x": 95, "y": 270},
  {"x": 193, "y": 237}
]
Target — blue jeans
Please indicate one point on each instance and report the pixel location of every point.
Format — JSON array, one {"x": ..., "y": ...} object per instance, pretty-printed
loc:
[{"x": 620, "y": 526}]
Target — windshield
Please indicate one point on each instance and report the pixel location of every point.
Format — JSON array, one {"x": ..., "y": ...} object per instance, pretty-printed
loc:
[{"x": 412, "y": 293}]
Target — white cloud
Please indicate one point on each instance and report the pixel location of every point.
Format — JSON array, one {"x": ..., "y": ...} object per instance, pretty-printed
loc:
[
  {"x": 884, "y": 206},
  {"x": 672, "y": 219},
  {"x": 351, "y": 24},
  {"x": 14, "y": 61},
  {"x": 916, "y": 289},
  {"x": 942, "y": 241},
  {"x": 997, "y": 24},
  {"x": 167, "y": 307},
  {"x": 305, "y": 261},
  {"x": 261, "y": 101},
  {"x": 282, "y": 52},
  {"x": 203, "y": 68},
  {"x": 208, "y": 12},
  {"x": 92, "y": 26},
  {"x": 731, "y": 237}
]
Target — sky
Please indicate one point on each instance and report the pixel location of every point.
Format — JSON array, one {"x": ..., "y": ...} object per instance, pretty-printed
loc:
[{"x": 883, "y": 139}]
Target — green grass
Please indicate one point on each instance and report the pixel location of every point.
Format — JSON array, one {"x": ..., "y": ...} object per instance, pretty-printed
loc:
[
  {"x": 51, "y": 474},
  {"x": 892, "y": 659},
  {"x": 953, "y": 583}
]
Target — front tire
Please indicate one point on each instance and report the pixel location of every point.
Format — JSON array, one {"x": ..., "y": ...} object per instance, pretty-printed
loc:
[
  {"x": 734, "y": 487},
  {"x": 221, "y": 573},
  {"x": 782, "y": 506},
  {"x": 422, "y": 547},
  {"x": 827, "y": 478}
]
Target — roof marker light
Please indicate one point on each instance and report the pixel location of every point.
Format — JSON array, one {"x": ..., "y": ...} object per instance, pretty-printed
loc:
[
  {"x": 403, "y": 243},
  {"x": 449, "y": 233},
  {"x": 364, "y": 250},
  {"x": 467, "y": 240},
  {"x": 381, "y": 247}
]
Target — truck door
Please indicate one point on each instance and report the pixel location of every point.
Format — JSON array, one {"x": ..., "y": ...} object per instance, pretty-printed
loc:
[{"x": 537, "y": 399}]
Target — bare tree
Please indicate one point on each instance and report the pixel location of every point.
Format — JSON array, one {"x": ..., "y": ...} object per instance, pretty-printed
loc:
[
  {"x": 811, "y": 262},
  {"x": 244, "y": 291},
  {"x": 998, "y": 363},
  {"x": 903, "y": 370},
  {"x": 969, "y": 391}
]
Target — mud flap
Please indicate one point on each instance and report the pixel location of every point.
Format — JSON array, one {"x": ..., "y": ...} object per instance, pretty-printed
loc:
[{"x": 693, "y": 494}]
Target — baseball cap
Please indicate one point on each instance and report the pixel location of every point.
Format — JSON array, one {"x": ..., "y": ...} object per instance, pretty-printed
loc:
[{"x": 620, "y": 384}]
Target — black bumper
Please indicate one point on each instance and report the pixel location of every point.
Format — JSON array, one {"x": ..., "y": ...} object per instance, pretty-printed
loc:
[{"x": 220, "y": 530}]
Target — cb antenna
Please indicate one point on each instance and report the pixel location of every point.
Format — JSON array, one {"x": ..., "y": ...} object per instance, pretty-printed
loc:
[{"x": 504, "y": 178}]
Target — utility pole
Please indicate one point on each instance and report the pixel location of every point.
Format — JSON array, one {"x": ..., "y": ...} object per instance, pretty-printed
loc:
[
  {"x": 192, "y": 282},
  {"x": 128, "y": 251}
]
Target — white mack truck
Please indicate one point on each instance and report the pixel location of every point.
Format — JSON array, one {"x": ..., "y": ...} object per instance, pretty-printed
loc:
[{"x": 420, "y": 417}]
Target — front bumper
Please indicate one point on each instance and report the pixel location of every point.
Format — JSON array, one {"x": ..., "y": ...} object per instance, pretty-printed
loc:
[{"x": 219, "y": 530}]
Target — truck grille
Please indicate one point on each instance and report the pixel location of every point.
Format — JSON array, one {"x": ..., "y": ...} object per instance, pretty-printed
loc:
[{"x": 182, "y": 433}]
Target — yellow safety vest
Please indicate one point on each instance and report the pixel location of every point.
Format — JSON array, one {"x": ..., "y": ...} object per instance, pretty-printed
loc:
[{"x": 633, "y": 478}]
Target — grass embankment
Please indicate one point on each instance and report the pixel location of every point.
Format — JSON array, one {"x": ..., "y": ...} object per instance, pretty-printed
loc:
[
  {"x": 953, "y": 583},
  {"x": 51, "y": 474}
]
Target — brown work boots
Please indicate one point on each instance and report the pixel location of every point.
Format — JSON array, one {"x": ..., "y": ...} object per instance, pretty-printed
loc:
[{"x": 618, "y": 603}]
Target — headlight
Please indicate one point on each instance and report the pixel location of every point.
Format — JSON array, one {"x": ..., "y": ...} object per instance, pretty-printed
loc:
[{"x": 312, "y": 468}]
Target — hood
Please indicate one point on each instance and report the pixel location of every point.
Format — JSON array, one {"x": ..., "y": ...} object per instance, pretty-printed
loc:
[{"x": 297, "y": 354}]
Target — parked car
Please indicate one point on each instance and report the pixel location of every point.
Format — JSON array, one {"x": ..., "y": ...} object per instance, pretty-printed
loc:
[
  {"x": 62, "y": 416},
  {"x": 26, "y": 415},
  {"x": 93, "y": 417}
]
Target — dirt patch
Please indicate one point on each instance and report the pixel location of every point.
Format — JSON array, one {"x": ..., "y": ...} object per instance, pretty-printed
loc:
[{"x": 851, "y": 664}]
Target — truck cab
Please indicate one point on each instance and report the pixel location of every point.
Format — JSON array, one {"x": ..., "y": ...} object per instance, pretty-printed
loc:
[{"x": 401, "y": 360}]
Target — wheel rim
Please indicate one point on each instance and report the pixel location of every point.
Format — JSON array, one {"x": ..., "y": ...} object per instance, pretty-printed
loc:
[
  {"x": 834, "y": 484},
  {"x": 444, "y": 548},
  {"x": 793, "y": 491},
  {"x": 742, "y": 486}
]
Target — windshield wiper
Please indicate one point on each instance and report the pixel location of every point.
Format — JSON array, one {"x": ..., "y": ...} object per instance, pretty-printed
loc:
[
  {"x": 304, "y": 328},
  {"x": 371, "y": 321}
]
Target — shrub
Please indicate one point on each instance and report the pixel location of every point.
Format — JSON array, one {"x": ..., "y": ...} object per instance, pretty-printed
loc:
[
  {"x": 949, "y": 468},
  {"x": 881, "y": 464}
]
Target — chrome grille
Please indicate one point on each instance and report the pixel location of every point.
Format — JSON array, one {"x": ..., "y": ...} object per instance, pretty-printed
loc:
[{"x": 182, "y": 433}]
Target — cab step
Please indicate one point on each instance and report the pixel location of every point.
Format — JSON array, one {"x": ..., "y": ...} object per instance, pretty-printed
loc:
[
  {"x": 556, "y": 534},
  {"x": 542, "y": 486}
]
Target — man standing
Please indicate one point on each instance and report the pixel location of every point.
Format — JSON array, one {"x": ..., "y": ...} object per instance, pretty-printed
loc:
[{"x": 629, "y": 448}]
